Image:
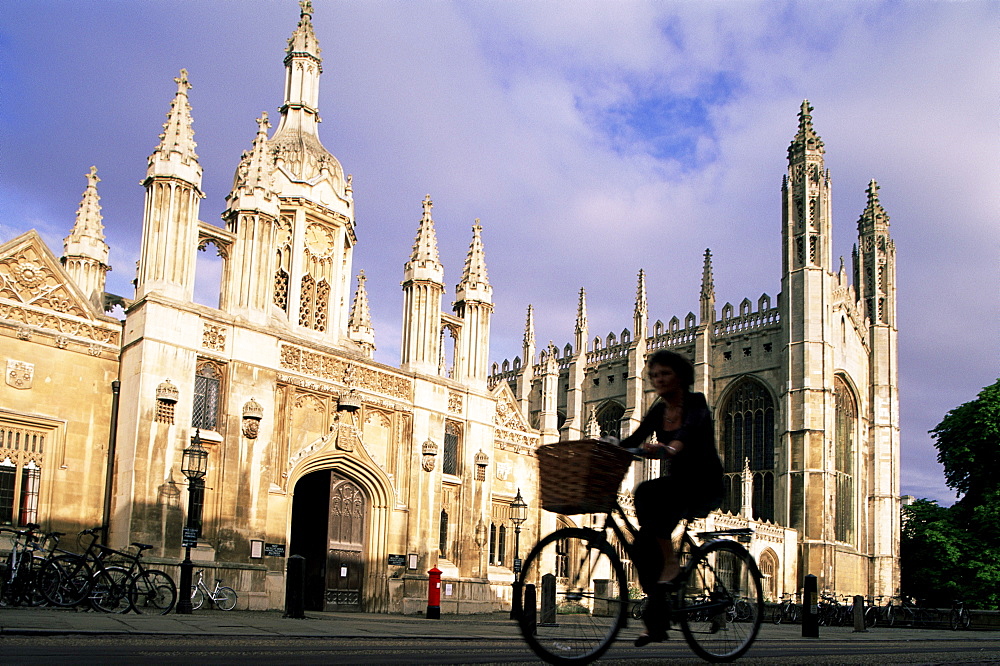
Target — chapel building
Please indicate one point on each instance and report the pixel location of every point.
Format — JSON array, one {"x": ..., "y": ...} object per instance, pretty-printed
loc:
[{"x": 376, "y": 474}]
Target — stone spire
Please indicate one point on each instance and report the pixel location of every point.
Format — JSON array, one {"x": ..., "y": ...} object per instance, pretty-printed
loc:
[
  {"x": 475, "y": 284},
  {"x": 425, "y": 260},
  {"x": 707, "y": 290},
  {"x": 529, "y": 336},
  {"x": 85, "y": 252},
  {"x": 582, "y": 328},
  {"x": 877, "y": 269},
  {"x": 641, "y": 312},
  {"x": 423, "y": 287},
  {"x": 175, "y": 155},
  {"x": 360, "y": 323},
  {"x": 874, "y": 218},
  {"x": 255, "y": 173},
  {"x": 806, "y": 140}
]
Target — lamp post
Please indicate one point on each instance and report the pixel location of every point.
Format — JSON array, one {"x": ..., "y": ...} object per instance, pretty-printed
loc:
[
  {"x": 518, "y": 514},
  {"x": 194, "y": 465}
]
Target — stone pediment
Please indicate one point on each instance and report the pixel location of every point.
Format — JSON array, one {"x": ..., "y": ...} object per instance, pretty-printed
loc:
[
  {"x": 508, "y": 415},
  {"x": 31, "y": 275},
  {"x": 36, "y": 292}
]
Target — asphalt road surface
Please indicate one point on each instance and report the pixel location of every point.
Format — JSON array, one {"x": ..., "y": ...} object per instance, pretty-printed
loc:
[{"x": 245, "y": 650}]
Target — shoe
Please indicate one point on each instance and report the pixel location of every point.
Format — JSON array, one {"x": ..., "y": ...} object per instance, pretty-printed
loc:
[{"x": 645, "y": 638}]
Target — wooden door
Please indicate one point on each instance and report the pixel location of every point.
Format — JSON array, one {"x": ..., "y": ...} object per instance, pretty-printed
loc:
[{"x": 345, "y": 555}]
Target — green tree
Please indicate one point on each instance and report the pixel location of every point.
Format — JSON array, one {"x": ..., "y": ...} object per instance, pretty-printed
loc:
[{"x": 954, "y": 552}]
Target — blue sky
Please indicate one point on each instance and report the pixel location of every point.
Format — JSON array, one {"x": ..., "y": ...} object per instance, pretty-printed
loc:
[{"x": 591, "y": 139}]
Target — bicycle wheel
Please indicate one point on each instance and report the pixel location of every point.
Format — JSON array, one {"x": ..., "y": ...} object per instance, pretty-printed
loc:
[
  {"x": 959, "y": 619},
  {"x": 721, "y": 575},
  {"x": 582, "y": 593},
  {"x": 871, "y": 616},
  {"x": 65, "y": 580},
  {"x": 153, "y": 592},
  {"x": 197, "y": 597},
  {"x": 778, "y": 614},
  {"x": 225, "y": 598},
  {"x": 109, "y": 590}
]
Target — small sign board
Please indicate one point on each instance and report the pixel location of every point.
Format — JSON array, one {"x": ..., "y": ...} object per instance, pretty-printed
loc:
[
  {"x": 274, "y": 549},
  {"x": 517, "y": 565},
  {"x": 397, "y": 560},
  {"x": 189, "y": 537}
]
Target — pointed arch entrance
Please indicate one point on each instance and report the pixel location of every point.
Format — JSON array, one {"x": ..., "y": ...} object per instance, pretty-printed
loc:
[{"x": 329, "y": 514}]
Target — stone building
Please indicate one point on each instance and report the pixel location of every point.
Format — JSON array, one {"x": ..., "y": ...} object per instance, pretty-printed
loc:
[
  {"x": 804, "y": 388},
  {"x": 374, "y": 473}
]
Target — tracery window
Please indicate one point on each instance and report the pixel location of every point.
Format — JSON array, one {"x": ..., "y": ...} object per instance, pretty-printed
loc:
[
  {"x": 31, "y": 477},
  {"x": 443, "y": 535},
  {"x": 844, "y": 455},
  {"x": 747, "y": 424},
  {"x": 207, "y": 392},
  {"x": 609, "y": 419},
  {"x": 22, "y": 451},
  {"x": 452, "y": 448}
]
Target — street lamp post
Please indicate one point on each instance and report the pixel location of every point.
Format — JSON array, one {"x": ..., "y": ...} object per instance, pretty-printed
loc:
[
  {"x": 518, "y": 514},
  {"x": 194, "y": 465}
]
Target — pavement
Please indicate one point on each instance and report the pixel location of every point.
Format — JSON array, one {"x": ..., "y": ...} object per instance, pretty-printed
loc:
[{"x": 492, "y": 626}]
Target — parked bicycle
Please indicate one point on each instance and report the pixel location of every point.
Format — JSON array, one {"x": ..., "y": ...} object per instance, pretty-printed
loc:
[
  {"x": 959, "y": 617},
  {"x": 20, "y": 569},
  {"x": 223, "y": 597},
  {"x": 787, "y": 611},
  {"x": 584, "y": 589}
]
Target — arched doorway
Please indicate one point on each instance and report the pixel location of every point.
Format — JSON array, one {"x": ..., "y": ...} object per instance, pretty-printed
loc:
[{"x": 328, "y": 524}]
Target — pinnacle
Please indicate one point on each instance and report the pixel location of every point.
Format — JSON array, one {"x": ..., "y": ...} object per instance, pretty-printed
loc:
[
  {"x": 178, "y": 134},
  {"x": 425, "y": 248},
  {"x": 475, "y": 261},
  {"x": 806, "y": 139}
]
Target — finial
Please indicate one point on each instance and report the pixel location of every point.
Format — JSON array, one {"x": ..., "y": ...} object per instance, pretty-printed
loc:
[
  {"x": 93, "y": 180},
  {"x": 262, "y": 123},
  {"x": 427, "y": 205},
  {"x": 305, "y": 8},
  {"x": 183, "y": 85}
]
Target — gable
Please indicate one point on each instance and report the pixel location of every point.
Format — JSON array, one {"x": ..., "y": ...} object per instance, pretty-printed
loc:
[
  {"x": 508, "y": 415},
  {"x": 31, "y": 275}
]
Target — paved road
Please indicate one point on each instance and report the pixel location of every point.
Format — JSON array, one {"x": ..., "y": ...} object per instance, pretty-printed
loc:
[{"x": 32, "y": 636}]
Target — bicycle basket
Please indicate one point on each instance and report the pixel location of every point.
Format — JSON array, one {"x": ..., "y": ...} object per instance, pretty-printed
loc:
[{"x": 581, "y": 476}]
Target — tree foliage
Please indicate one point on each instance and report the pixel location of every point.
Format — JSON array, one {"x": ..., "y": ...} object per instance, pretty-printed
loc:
[{"x": 950, "y": 553}]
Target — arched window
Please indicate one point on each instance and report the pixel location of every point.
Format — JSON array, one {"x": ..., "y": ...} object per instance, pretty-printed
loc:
[
  {"x": 844, "y": 454},
  {"x": 207, "y": 391},
  {"x": 609, "y": 418},
  {"x": 747, "y": 425},
  {"x": 769, "y": 569},
  {"x": 443, "y": 535},
  {"x": 452, "y": 448}
]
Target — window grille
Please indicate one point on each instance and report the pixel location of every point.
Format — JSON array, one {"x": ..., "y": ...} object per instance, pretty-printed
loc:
[
  {"x": 501, "y": 546},
  {"x": 207, "y": 383},
  {"x": 493, "y": 543},
  {"x": 281, "y": 289},
  {"x": 31, "y": 477},
  {"x": 844, "y": 453},
  {"x": 562, "y": 558},
  {"x": 443, "y": 535},
  {"x": 452, "y": 448},
  {"x": 165, "y": 412},
  {"x": 609, "y": 419},
  {"x": 8, "y": 474}
]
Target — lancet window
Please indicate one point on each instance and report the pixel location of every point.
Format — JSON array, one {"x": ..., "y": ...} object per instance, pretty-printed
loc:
[
  {"x": 609, "y": 419},
  {"x": 747, "y": 425},
  {"x": 452, "y": 448},
  {"x": 207, "y": 396},
  {"x": 844, "y": 455}
]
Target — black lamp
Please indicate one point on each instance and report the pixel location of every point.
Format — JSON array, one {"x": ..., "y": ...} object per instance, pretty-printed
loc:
[
  {"x": 518, "y": 514},
  {"x": 194, "y": 465}
]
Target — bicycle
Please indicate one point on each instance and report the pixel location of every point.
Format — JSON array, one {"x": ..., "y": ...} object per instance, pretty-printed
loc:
[
  {"x": 787, "y": 611},
  {"x": 20, "y": 570},
  {"x": 959, "y": 617},
  {"x": 223, "y": 597},
  {"x": 584, "y": 588}
]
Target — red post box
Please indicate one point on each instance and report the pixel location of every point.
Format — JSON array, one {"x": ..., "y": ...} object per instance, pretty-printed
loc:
[{"x": 434, "y": 594}]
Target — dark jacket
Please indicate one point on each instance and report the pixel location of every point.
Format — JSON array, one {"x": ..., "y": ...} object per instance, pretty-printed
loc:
[{"x": 696, "y": 468}]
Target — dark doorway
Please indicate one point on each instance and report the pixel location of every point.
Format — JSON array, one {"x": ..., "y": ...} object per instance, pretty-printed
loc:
[{"x": 328, "y": 519}]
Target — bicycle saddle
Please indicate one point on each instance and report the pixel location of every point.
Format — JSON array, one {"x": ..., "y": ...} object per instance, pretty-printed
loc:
[{"x": 141, "y": 546}]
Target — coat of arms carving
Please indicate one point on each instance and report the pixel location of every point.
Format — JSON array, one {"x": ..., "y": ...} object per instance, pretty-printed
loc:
[{"x": 19, "y": 374}]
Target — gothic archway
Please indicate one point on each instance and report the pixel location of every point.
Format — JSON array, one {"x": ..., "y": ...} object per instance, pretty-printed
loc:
[
  {"x": 328, "y": 529},
  {"x": 747, "y": 437}
]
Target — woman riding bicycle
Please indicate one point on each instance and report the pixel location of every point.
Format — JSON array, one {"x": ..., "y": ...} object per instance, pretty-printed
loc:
[{"x": 690, "y": 485}]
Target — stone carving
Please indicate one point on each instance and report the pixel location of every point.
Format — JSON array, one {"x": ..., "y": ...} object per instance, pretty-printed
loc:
[
  {"x": 167, "y": 392},
  {"x": 455, "y": 401},
  {"x": 19, "y": 374},
  {"x": 214, "y": 337},
  {"x": 23, "y": 333},
  {"x": 336, "y": 370},
  {"x": 503, "y": 470},
  {"x": 62, "y": 342},
  {"x": 29, "y": 316},
  {"x": 252, "y": 415},
  {"x": 430, "y": 451}
]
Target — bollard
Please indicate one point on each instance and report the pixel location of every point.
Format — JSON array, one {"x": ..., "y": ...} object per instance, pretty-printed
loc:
[
  {"x": 295, "y": 587},
  {"x": 548, "y": 615},
  {"x": 434, "y": 594},
  {"x": 859, "y": 614},
  {"x": 810, "y": 613},
  {"x": 529, "y": 610}
]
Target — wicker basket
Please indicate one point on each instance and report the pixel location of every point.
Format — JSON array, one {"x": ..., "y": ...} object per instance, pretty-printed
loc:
[{"x": 581, "y": 476}]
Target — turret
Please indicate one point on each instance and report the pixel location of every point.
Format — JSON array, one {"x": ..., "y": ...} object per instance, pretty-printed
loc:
[
  {"x": 877, "y": 262},
  {"x": 575, "y": 422},
  {"x": 707, "y": 291},
  {"x": 474, "y": 304},
  {"x": 806, "y": 192},
  {"x": 252, "y": 215},
  {"x": 423, "y": 285},
  {"x": 360, "y": 323},
  {"x": 85, "y": 254},
  {"x": 527, "y": 373},
  {"x": 173, "y": 198}
]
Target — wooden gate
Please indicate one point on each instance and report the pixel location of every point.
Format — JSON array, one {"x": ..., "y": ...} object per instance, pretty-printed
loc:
[{"x": 345, "y": 556}]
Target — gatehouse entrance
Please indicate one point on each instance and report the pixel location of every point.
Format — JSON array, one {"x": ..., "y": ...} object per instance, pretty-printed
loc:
[{"x": 328, "y": 519}]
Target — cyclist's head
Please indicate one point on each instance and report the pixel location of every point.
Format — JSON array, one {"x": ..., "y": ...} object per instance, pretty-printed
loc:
[{"x": 680, "y": 365}]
